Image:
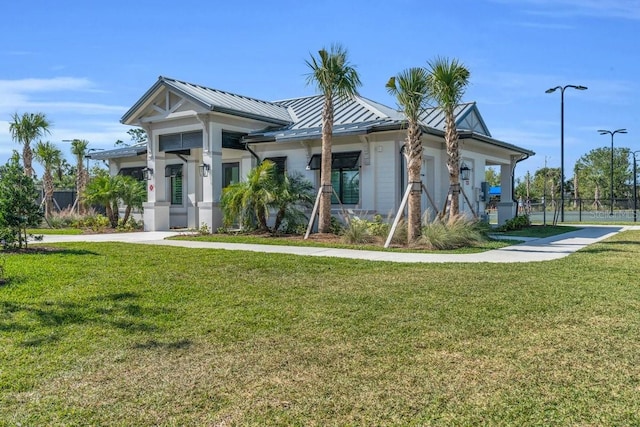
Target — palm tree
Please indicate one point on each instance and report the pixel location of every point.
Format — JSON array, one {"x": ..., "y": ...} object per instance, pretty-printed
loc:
[
  {"x": 49, "y": 156},
  {"x": 79, "y": 149},
  {"x": 132, "y": 193},
  {"x": 293, "y": 192},
  {"x": 250, "y": 200},
  {"x": 334, "y": 76},
  {"x": 447, "y": 81},
  {"x": 103, "y": 190},
  {"x": 410, "y": 89},
  {"x": 25, "y": 129}
]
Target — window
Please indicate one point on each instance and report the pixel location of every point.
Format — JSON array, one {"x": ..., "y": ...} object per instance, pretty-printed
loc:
[
  {"x": 174, "y": 173},
  {"x": 345, "y": 176},
  {"x": 280, "y": 163},
  {"x": 180, "y": 141},
  {"x": 230, "y": 174},
  {"x": 136, "y": 173}
]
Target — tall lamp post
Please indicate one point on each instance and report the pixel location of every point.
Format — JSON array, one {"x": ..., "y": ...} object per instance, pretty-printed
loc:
[
  {"x": 608, "y": 132},
  {"x": 635, "y": 186},
  {"x": 562, "y": 89}
]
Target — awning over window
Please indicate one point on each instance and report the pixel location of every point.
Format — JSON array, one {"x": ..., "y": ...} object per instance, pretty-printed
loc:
[{"x": 347, "y": 160}]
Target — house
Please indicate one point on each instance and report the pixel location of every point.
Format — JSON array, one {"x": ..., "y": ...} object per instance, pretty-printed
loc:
[{"x": 202, "y": 139}]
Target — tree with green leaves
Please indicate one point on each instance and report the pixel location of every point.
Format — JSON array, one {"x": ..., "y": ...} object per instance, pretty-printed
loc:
[
  {"x": 79, "y": 150},
  {"x": 18, "y": 208},
  {"x": 249, "y": 202},
  {"x": 132, "y": 193},
  {"x": 593, "y": 171},
  {"x": 138, "y": 136},
  {"x": 335, "y": 77},
  {"x": 49, "y": 156},
  {"x": 447, "y": 81},
  {"x": 25, "y": 129},
  {"x": 410, "y": 89},
  {"x": 492, "y": 177},
  {"x": 103, "y": 190}
]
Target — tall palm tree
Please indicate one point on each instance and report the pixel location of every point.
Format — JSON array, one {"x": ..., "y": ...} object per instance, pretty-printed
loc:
[
  {"x": 24, "y": 130},
  {"x": 334, "y": 76},
  {"x": 447, "y": 81},
  {"x": 79, "y": 149},
  {"x": 49, "y": 156},
  {"x": 410, "y": 89}
]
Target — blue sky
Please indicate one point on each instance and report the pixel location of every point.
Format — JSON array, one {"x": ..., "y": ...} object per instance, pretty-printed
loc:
[{"x": 85, "y": 63}]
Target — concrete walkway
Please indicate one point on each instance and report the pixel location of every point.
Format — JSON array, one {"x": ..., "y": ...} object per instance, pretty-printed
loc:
[{"x": 533, "y": 250}]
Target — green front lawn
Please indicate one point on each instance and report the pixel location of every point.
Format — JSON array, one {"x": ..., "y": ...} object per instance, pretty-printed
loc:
[
  {"x": 177, "y": 336},
  {"x": 66, "y": 231}
]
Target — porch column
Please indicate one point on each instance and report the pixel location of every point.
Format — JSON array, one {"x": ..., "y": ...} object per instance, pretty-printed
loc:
[
  {"x": 506, "y": 206},
  {"x": 156, "y": 209},
  {"x": 209, "y": 210},
  {"x": 192, "y": 202}
]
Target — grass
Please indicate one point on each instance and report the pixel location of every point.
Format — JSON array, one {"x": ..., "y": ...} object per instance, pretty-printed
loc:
[
  {"x": 91, "y": 337},
  {"x": 539, "y": 231},
  {"x": 66, "y": 231},
  {"x": 298, "y": 241}
]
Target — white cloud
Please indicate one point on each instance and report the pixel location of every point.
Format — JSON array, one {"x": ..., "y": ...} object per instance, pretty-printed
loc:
[
  {"x": 45, "y": 85},
  {"x": 627, "y": 9}
]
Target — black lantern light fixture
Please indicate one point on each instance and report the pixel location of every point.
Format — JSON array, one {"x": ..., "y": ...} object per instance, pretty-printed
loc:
[
  {"x": 147, "y": 173},
  {"x": 465, "y": 172},
  {"x": 204, "y": 170}
]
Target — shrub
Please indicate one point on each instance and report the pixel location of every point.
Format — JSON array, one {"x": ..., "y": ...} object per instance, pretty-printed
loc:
[
  {"x": 456, "y": 232},
  {"x": 130, "y": 225},
  {"x": 357, "y": 231},
  {"x": 65, "y": 218},
  {"x": 516, "y": 223}
]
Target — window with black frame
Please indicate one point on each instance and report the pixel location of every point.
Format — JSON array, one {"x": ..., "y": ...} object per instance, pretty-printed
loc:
[
  {"x": 135, "y": 173},
  {"x": 174, "y": 173},
  {"x": 345, "y": 176},
  {"x": 280, "y": 162}
]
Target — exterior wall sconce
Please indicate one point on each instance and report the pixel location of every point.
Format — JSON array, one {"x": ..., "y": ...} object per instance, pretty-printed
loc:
[
  {"x": 147, "y": 173},
  {"x": 204, "y": 170},
  {"x": 465, "y": 171}
]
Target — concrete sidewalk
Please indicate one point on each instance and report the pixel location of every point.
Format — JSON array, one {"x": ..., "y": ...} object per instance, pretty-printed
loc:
[{"x": 535, "y": 250}]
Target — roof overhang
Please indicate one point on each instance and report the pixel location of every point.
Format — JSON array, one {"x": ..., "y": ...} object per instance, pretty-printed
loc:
[{"x": 132, "y": 151}]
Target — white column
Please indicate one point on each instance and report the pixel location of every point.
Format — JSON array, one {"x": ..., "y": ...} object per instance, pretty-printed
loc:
[
  {"x": 506, "y": 206},
  {"x": 209, "y": 209},
  {"x": 156, "y": 209}
]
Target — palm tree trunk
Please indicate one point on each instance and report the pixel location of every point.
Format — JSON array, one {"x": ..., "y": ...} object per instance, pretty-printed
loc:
[
  {"x": 27, "y": 158},
  {"x": 414, "y": 165},
  {"x": 80, "y": 188},
  {"x": 453, "y": 162},
  {"x": 324, "y": 222}
]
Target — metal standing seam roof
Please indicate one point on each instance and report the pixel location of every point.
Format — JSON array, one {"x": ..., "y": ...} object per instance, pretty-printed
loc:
[
  {"x": 301, "y": 118},
  {"x": 131, "y": 151},
  {"x": 218, "y": 100}
]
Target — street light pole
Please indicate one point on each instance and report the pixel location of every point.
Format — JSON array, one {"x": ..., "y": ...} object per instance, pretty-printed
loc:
[
  {"x": 562, "y": 89},
  {"x": 635, "y": 186},
  {"x": 608, "y": 132}
]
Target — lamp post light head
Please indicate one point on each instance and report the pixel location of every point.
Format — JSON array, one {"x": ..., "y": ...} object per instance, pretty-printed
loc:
[
  {"x": 553, "y": 89},
  {"x": 580, "y": 87}
]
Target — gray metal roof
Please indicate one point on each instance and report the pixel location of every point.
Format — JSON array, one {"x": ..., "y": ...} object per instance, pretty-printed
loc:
[
  {"x": 131, "y": 151},
  {"x": 217, "y": 100}
]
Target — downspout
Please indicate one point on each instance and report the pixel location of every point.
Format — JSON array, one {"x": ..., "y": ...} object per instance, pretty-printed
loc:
[
  {"x": 513, "y": 182},
  {"x": 253, "y": 153}
]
